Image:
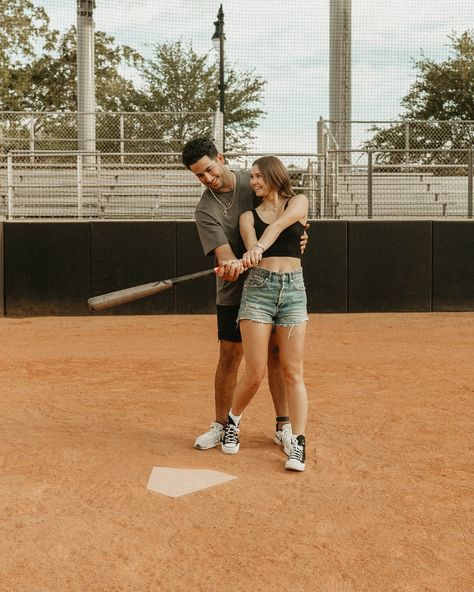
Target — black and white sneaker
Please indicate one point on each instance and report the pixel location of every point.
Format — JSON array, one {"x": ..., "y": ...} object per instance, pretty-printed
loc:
[
  {"x": 230, "y": 440},
  {"x": 297, "y": 457}
]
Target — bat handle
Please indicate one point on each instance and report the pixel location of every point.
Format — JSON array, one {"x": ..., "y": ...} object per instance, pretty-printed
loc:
[{"x": 218, "y": 268}]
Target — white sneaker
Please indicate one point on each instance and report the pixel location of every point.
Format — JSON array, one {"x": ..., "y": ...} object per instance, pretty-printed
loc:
[
  {"x": 211, "y": 438},
  {"x": 230, "y": 441},
  {"x": 297, "y": 458},
  {"x": 283, "y": 438}
]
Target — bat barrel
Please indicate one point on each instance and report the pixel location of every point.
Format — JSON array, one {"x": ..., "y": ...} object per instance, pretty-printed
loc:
[{"x": 104, "y": 301}]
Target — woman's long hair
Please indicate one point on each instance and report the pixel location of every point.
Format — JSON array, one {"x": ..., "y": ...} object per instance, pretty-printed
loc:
[{"x": 275, "y": 174}]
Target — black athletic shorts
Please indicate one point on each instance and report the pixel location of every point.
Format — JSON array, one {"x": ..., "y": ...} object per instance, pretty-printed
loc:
[{"x": 227, "y": 326}]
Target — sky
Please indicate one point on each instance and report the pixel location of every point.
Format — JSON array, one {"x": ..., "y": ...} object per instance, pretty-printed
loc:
[{"x": 287, "y": 43}]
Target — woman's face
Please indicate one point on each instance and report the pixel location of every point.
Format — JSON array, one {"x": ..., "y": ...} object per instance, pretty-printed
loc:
[{"x": 258, "y": 183}]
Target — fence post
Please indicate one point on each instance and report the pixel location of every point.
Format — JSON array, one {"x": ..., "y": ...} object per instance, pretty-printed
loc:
[
  {"x": 335, "y": 193},
  {"x": 218, "y": 130},
  {"x": 10, "y": 189},
  {"x": 320, "y": 136},
  {"x": 80, "y": 194},
  {"x": 407, "y": 143},
  {"x": 122, "y": 139},
  {"x": 469, "y": 184},
  {"x": 321, "y": 150},
  {"x": 369, "y": 184},
  {"x": 32, "y": 138}
]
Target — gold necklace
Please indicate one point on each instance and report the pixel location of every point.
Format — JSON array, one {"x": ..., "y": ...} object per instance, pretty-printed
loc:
[{"x": 226, "y": 209}]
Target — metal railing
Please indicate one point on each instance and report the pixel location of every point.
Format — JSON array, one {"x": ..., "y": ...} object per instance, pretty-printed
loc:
[
  {"x": 375, "y": 186},
  {"x": 429, "y": 174},
  {"x": 406, "y": 136},
  {"x": 95, "y": 185}
]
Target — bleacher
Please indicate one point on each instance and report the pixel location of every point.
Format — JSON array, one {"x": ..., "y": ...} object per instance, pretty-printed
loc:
[
  {"x": 400, "y": 195},
  {"x": 117, "y": 193}
]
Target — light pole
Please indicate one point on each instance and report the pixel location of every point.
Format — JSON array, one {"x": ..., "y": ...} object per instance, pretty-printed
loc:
[
  {"x": 218, "y": 40},
  {"x": 86, "y": 77}
]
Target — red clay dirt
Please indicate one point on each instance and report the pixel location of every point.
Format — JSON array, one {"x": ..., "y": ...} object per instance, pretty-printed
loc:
[{"x": 90, "y": 405}]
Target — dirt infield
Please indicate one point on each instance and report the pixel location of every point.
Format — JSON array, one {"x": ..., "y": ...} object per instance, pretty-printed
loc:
[{"x": 90, "y": 405}]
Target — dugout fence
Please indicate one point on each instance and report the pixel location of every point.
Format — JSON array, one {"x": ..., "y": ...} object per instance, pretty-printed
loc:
[
  {"x": 397, "y": 169},
  {"x": 155, "y": 186},
  {"x": 142, "y": 185}
]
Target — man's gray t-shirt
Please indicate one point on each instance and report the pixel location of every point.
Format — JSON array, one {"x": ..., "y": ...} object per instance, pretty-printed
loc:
[{"x": 216, "y": 228}]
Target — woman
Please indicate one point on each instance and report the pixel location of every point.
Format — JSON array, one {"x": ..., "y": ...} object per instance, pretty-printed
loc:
[{"x": 274, "y": 299}]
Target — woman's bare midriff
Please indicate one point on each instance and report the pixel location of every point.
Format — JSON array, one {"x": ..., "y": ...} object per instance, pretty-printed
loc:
[{"x": 280, "y": 264}]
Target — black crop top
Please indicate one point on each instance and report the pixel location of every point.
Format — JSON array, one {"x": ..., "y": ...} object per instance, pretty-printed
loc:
[{"x": 288, "y": 242}]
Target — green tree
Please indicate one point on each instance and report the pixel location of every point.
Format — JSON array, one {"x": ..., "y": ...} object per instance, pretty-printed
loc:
[
  {"x": 53, "y": 87},
  {"x": 53, "y": 76},
  {"x": 442, "y": 92},
  {"x": 178, "y": 80},
  {"x": 38, "y": 72},
  {"x": 24, "y": 30}
]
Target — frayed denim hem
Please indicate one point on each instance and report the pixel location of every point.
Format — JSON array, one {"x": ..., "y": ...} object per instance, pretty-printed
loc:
[{"x": 274, "y": 326}]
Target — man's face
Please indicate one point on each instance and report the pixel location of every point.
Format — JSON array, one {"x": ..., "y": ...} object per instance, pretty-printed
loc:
[{"x": 211, "y": 172}]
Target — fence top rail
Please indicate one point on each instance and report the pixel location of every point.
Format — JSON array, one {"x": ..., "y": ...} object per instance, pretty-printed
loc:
[
  {"x": 259, "y": 153},
  {"x": 398, "y": 121},
  {"x": 404, "y": 150},
  {"x": 54, "y": 152},
  {"x": 405, "y": 167},
  {"x": 107, "y": 154},
  {"x": 147, "y": 113}
]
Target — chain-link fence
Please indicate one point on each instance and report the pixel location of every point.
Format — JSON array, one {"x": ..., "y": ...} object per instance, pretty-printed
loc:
[
  {"x": 397, "y": 169},
  {"x": 371, "y": 187},
  {"x": 403, "y": 141},
  {"x": 366, "y": 182},
  {"x": 118, "y": 132}
]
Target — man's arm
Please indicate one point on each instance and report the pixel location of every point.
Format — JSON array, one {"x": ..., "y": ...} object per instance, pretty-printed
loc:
[
  {"x": 231, "y": 267},
  {"x": 304, "y": 238}
]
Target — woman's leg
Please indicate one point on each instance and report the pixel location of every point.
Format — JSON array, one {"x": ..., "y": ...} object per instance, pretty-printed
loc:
[
  {"x": 291, "y": 344},
  {"x": 255, "y": 338}
]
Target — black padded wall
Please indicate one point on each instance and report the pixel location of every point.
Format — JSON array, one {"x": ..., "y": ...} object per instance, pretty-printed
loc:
[
  {"x": 389, "y": 266},
  {"x": 325, "y": 266},
  {"x": 125, "y": 254},
  {"x": 197, "y": 296},
  {"x": 2, "y": 278},
  {"x": 453, "y": 266},
  {"x": 46, "y": 268},
  {"x": 52, "y": 268}
]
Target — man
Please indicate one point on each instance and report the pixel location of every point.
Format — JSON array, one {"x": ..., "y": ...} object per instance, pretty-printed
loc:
[{"x": 227, "y": 195}]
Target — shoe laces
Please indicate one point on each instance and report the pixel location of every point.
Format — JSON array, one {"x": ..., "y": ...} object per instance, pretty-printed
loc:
[
  {"x": 296, "y": 452},
  {"x": 215, "y": 427},
  {"x": 230, "y": 434}
]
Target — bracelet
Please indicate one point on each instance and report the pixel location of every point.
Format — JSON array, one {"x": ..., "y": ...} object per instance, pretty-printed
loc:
[{"x": 260, "y": 246}]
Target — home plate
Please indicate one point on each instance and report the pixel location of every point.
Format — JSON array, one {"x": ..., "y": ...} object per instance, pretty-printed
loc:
[{"x": 177, "y": 482}]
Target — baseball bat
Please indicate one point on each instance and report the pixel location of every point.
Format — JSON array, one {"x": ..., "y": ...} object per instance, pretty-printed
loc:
[{"x": 111, "y": 299}]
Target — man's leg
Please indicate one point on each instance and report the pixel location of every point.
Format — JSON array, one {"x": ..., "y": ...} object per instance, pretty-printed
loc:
[
  {"x": 225, "y": 379},
  {"x": 230, "y": 356}
]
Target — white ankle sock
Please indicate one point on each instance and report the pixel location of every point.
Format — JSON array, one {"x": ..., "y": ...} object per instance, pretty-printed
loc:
[{"x": 235, "y": 418}]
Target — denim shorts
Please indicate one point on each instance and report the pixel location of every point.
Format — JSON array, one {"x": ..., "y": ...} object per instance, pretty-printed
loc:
[{"x": 275, "y": 298}]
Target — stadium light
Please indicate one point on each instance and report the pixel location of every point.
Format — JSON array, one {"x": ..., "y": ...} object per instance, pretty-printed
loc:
[{"x": 218, "y": 41}]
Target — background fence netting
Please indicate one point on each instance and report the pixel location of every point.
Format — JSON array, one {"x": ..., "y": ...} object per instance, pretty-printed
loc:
[{"x": 157, "y": 84}]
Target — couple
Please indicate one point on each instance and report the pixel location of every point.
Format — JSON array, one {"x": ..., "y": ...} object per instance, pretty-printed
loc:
[{"x": 254, "y": 222}]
